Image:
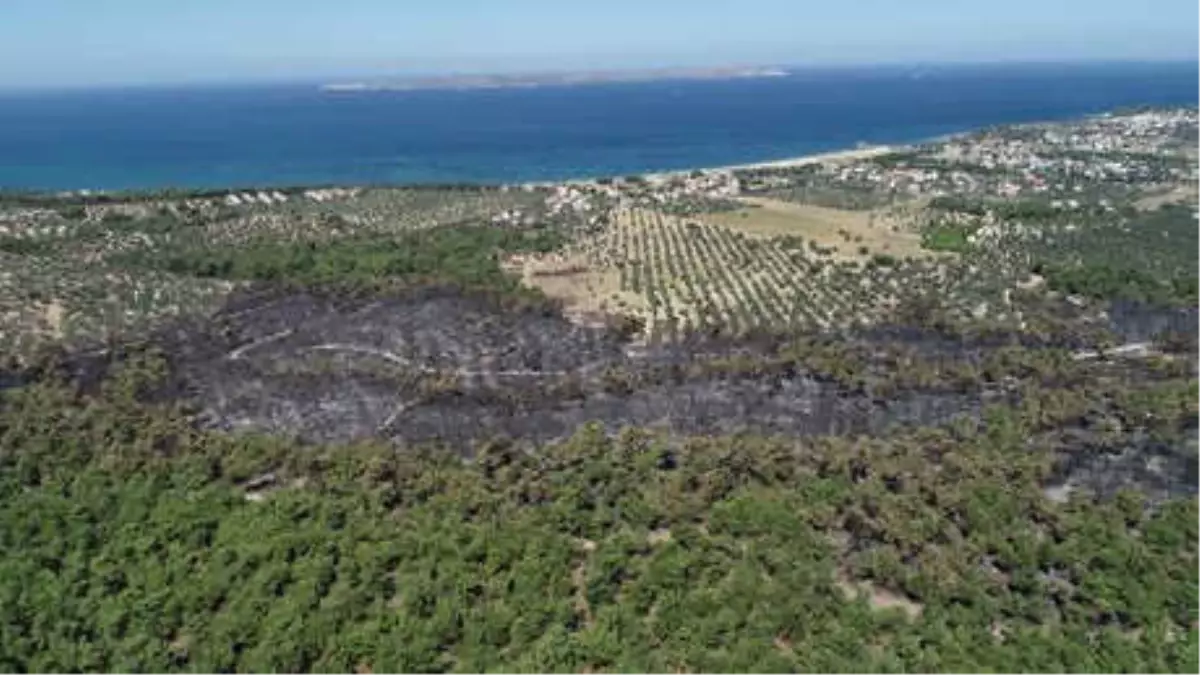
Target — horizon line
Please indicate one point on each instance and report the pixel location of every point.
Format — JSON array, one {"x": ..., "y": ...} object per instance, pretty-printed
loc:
[{"x": 791, "y": 68}]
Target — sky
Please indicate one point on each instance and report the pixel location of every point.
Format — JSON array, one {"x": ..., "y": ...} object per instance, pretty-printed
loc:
[{"x": 71, "y": 43}]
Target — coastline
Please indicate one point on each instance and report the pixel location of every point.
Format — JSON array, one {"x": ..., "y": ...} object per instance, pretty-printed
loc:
[
  {"x": 853, "y": 154},
  {"x": 399, "y": 166},
  {"x": 834, "y": 156}
]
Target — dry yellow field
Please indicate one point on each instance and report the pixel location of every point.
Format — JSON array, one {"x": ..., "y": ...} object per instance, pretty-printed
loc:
[
  {"x": 1179, "y": 195},
  {"x": 585, "y": 290},
  {"x": 825, "y": 226}
]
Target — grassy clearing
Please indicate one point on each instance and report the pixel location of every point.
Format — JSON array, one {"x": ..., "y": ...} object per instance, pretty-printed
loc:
[{"x": 950, "y": 237}]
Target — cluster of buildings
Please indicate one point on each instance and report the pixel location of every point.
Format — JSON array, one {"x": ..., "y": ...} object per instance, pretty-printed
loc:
[
  {"x": 576, "y": 198},
  {"x": 651, "y": 190},
  {"x": 248, "y": 198},
  {"x": 31, "y": 227},
  {"x": 513, "y": 217},
  {"x": 592, "y": 201},
  {"x": 1058, "y": 161},
  {"x": 16, "y": 217},
  {"x": 276, "y": 197},
  {"x": 1150, "y": 132},
  {"x": 332, "y": 194},
  {"x": 712, "y": 184},
  {"x": 583, "y": 202}
]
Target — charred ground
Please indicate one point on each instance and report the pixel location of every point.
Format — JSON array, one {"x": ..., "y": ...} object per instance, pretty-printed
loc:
[{"x": 459, "y": 367}]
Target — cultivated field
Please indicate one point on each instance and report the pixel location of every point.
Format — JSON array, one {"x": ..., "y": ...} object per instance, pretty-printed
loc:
[
  {"x": 83, "y": 272},
  {"x": 683, "y": 275},
  {"x": 854, "y": 235}
]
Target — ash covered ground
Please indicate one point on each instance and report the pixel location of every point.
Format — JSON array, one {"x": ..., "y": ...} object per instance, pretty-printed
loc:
[
  {"x": 441, "y": 366},
  {"x": 436, "y": 365}
]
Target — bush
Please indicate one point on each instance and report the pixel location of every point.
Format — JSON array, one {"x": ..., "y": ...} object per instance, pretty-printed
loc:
[{"x": 944, "y": 236}]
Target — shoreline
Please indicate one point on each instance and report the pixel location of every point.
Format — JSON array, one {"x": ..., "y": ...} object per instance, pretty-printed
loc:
[
  {"x": 842, "y": 156},
  {"x": 831, "y": 156},
  {"x": 834, "y": 157}
]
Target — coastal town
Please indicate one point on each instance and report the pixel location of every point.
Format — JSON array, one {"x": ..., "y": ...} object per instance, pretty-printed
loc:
[
  {"x": 1102, "y": 160},
  {"x": 1122, "y": 154}
]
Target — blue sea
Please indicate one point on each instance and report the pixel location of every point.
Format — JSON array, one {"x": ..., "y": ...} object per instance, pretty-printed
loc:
[{"x": 298, "y": 135}]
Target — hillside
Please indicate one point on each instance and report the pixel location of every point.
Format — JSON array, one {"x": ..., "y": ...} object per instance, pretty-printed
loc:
[{"x": 934, "y": 410}]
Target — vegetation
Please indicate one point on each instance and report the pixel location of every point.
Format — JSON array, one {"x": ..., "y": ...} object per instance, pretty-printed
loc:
[
  {"x": 1023, "y": 210},
  {"x": 700, "y": 277},
  {"x": 1117, "y": 283},
  {"x": 331, "y": 429},
  {"x": 466, "y": 255},
  {"x": 947, "y": 236},
  {"x": 137, "y": 543},
  {"x": 89, "y": 269},
  {"x": 1146, "y": 258}
]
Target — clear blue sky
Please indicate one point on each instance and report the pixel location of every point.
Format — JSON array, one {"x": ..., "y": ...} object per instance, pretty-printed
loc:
[{"x": 100, "y": 42}]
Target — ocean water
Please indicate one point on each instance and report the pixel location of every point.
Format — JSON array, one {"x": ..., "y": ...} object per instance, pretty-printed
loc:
[{"x": 299, "y": 135}]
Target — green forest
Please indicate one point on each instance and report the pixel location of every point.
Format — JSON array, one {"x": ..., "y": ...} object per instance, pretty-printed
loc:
[
  {"x": 134, "y": 542},
  {"x": 467, "y": 255}
]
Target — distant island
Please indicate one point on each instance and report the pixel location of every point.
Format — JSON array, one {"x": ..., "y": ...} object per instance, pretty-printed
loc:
[{"x": 552, "y": 79}]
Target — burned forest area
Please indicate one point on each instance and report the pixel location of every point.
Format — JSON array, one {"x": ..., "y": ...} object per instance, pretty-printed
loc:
[{"x": 600, "y": 428}]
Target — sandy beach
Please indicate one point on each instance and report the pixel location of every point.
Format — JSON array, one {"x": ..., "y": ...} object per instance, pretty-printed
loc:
[{"x": 836, "y": 156}]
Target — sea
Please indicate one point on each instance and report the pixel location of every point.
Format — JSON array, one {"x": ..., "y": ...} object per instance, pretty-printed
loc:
[{"x": 296, "y": 134}]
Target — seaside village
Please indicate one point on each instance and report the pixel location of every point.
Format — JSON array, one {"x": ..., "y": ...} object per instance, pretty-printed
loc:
[
  {"x": 1059, "y": 161},
  {"x": 1062, "y": 163}
]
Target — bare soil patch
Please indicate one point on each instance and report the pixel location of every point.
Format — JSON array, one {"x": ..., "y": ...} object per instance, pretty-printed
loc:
[
  {"x": 54, "y": 315},
  {"x": 659, "y": 536},
  {"x": 879, "y": 598},
  {"x": 1178, "y": 195},
  {"x": 586, "y": 292}
]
